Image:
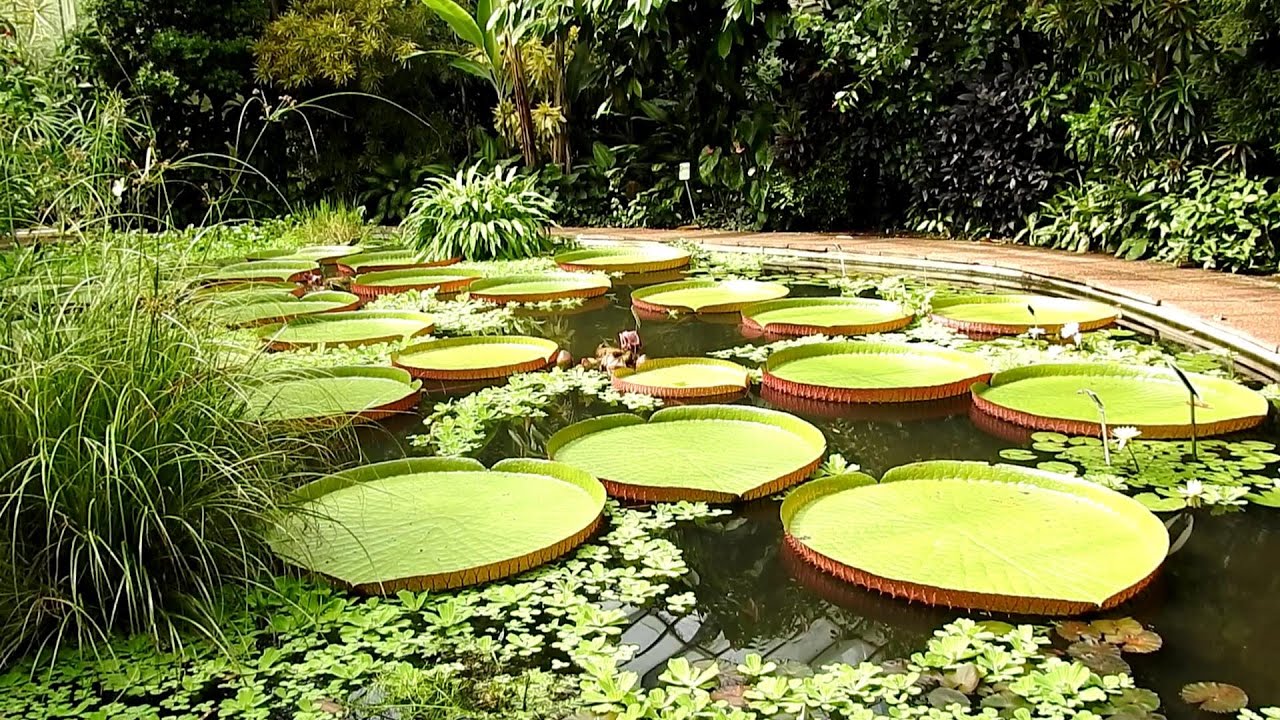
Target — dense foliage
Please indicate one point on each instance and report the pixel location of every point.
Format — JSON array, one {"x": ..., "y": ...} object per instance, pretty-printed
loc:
[
  {"x": 478, "y": 215},
  {"x": 1146, "y": 129},
  {"x": 133, "y": 488}
]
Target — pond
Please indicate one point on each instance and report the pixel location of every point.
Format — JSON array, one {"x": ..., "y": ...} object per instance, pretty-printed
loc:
[{"x": 1214, "y": 604}]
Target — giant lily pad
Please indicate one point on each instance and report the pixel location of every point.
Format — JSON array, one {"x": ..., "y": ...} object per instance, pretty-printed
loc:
[
  {"x": 683, "y": 377},
  {"x": 539, "y": 288},
  {"x": 973, "y": 535},
  {"x": 715, "y": 453},
  {"x": 323, "y": 254},
  {"x": 476, "y": 358},
  {"x": 1016, "y": 314},
  {"x": 347, "y": 329},
  {"x": 251, "y": 307},
  {"x": 705, "y": 296},
  {"x": 873, "y": 372},
  {"x": 363, "y": 393},
  {"x": 386, "y": 282},
  {"x": 825, "y": 316},
  {"x": 438, "y": 523},
  {"x": 633, "y": 258},
  {"x": 267, "y": 271},
  {"x": 1052, "y": 397},
  {"x": 392, "y": 259}
]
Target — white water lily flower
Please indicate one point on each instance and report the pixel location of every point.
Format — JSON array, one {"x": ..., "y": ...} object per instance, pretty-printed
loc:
[
  {"x": 1070, "y": 332},
  {"x": 1035, "y": 332},
  {"x": 1123, "y": 435}
]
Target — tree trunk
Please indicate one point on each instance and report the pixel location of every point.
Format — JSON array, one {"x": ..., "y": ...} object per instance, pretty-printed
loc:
[
  {"x": 520, "y": 91},
  {"x": 560, "y": 144}
]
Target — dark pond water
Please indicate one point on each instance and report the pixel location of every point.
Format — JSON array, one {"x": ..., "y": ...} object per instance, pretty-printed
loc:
[{"x": 1216, "y": 603}]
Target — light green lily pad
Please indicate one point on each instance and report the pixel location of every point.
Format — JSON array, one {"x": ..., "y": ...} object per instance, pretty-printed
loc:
[
  {"x": 389, "y": 259},
  {"x": 706, "y": 296},
  {"x": 366, "y": 392},
  {"x": 969, "y": 534},
  {"x": 445, "y": 280},
  {"x": 1153, "y": 400},
  {"x": 825, "y": 316},
  {"x": 1015, "y": 314},
  {"x": 539, "y": 288},
  {"x": 683, "y": 377},
  {"x": 360, "y": 327},
  {"x": 873, "y": 372},
  {"x": 476, "y": 358},
  {"x": 257, "y": 307},
  {"x": 323, "y": 254},
  {"x": 437, "y": 523},
  {"x": 631, "y": 258},
  {"x": 264, "y": 271},
  {"x": 716, "y": 453}
]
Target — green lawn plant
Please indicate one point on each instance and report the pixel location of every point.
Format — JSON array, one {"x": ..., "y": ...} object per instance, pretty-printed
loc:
[
  {"x": 132, "y": 489},
  {"x": 479, "y": 215}
]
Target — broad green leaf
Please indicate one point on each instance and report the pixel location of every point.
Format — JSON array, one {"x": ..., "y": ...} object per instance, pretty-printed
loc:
[
  {"x": 1042, "y": 542},
  {"x": 683, "y": 377},
  {"x": 828, "y": 316},
  {"x": 438, "y": 523},
  {"x": 459, "y": 20},
  {"x": 887, "y": 372},
  {"x": 473, "y": 358},
  {"x": 359, "y": 327},
  {"x": 1015, "y": 314},
  {"x": 265, "y": 270},
  {"x": 708, "y": 296},
  {"x": 637, "y": 258},
  {"x": 537, "y": 288},
  {"x": 719, "y": 453},
  {"x": 329, "y": 392}
]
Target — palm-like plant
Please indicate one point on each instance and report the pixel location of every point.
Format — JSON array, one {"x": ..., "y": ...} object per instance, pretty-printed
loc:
[{"x": 480, "y": 216}]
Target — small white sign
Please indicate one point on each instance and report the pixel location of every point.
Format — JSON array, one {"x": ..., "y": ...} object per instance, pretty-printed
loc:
[{"x": 685, "y": 171}]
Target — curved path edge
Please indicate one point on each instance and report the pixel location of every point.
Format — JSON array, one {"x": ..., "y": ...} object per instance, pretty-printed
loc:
[{"x": 1202, "y": 308}]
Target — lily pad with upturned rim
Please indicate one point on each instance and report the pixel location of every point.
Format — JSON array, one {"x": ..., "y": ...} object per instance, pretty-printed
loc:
[
  {"x": 346, "y": 329},
  {"x": 388, "y": 282},
  {"x": 266, "y": 271},
  {"x": 825, "y": 316},
  {"x": 1049, "y": 397},
  {"x": 539, "y": 288},
  {"x": 632, "y": 258},
  {"x": 1013, "y": 314},
  {"x": 1214, "y": 697},
  {"x": 683, "y": 377},
  {"x": 705, "y": 296},
  {"x": 389, "y": 259},
  {"x": 323, "y": 254},
  {"x": 713, "y": 453},
  {"x": 248, "y": 307},
  {"x": 476, "y": 358},
  {"x": 873, "y": 372},
  {"x": 979, "y": 536},
  {"x": 438, "y": 523},
  {"x": 362, "y": 393}
]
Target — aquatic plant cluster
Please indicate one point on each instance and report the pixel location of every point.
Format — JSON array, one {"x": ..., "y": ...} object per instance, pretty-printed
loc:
[{"x": 310, "y": 652}]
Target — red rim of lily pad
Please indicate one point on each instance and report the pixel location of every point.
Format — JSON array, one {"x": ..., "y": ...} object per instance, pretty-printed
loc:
[
  {"x": 1094, "y": 315},
  {"x": 348, "y": 271},
  {"x": 542, "y": 354},
  {"x": 753, "y": 324},
  {"x": 868, "y": 412},
  {"x": 627, "y": 258},
  {"x": 492, "y": 289},
  {"x": 624, "y": 379},
  {"x": 414, "y": 278},
  {"x": 971, "y": 367}
]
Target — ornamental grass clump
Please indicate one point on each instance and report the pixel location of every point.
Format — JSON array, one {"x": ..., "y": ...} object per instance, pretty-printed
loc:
[
  {"x": 480, "y": 216},
  {"x": 132, "y": 488}
]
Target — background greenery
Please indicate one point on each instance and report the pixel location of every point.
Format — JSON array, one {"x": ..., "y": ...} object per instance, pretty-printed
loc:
[{"x": 1138, "y": 127}]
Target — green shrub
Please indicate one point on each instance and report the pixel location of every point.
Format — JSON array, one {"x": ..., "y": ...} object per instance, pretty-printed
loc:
[
  {"x": 132, "y": 487},
  {"x": 480, "y": 215},
  {"x": 1208, "y": 218}
]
